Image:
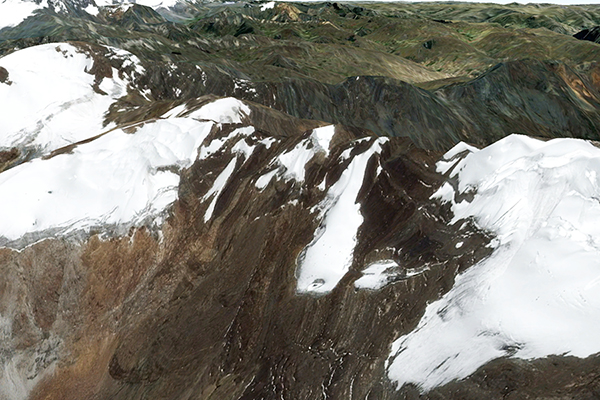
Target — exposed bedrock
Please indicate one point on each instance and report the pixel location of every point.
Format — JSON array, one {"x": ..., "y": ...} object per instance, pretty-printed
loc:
[
  {"x": 211, "y": 310},
  {"x": 537, "y": 98}
]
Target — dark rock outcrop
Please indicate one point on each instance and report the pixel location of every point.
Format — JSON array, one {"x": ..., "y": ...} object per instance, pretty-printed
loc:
[{"x": 591, "y": 34}]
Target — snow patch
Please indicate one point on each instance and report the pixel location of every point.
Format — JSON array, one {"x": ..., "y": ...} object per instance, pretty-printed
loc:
[
  {"x": 92, "y": 10},
  {"x": 265, "y": 179},
  {"x": 375, "y": 276},
  {"x": 267, "y": 6},
  {"x": 322, "y": 137},
  {"x": 328, "y": 257},
  {"x": 292, "y": 163},
  {"x": 243, "y": 148},
  {"x": 217, "y": 188},
  {"x": 228, "y": 110},
  {"x": 217, "y": 144}
]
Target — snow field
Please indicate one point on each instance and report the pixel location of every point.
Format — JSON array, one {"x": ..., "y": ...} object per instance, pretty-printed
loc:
[
  {"x": 50, "y": 98},
  {"x": 13, "y": 12},
  {"x": 537, "y": 294},
  {"x": 328, "y": 257},
  {"x": 116, "y": 179}
]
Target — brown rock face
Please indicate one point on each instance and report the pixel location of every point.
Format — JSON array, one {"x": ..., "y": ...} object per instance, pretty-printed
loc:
[{"x": 211, "y": 309}]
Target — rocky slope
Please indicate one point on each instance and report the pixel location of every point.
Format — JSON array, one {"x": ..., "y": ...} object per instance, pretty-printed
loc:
[{"x": 198, "y": 209}]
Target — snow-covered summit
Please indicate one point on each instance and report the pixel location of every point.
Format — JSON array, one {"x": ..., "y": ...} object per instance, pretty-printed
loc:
[{"x": 537, "y": 294}]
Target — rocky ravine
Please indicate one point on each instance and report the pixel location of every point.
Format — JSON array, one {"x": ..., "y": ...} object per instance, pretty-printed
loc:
[{"x": 213, "y": 248}]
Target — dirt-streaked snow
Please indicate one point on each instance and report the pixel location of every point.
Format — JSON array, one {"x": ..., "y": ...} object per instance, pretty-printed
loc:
[{"x": 538, "y": 293}]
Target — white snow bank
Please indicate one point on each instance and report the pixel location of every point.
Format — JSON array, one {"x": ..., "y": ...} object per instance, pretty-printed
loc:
[
  {"x": 264, "y": 180},
  {"x": 375, "y": 276},
  {"x": 322, "y": 136},
  {"x": 217, "y": 188},
  {"x": 538, "y": 293},
  {"x": 228, "y": 110},
  {"x": 329, "y": 256},
  {"x": 293, "y": 162},
  {"x": 13, "y": 12},
  {"x": 92, "y": 10},
  {"x": 50, "y": 99},
  {"x": 267, "y": 6},
  {"x": 116, "y": 179}
]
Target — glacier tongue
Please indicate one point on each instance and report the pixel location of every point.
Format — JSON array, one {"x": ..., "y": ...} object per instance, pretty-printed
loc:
[{"x": 537, "y": 294}]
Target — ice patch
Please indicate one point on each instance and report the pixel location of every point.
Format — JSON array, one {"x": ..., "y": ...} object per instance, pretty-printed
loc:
[{"x": 537, "y": 294}]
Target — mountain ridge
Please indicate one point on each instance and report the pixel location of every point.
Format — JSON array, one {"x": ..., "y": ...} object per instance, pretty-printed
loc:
[{"x": 299, "y": 201}]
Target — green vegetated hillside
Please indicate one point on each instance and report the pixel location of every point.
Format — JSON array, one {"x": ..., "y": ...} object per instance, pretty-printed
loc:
[{"x": 480, "y": 71}]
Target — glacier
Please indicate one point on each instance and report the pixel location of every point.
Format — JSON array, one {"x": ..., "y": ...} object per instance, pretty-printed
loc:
[{"x": 537, "y": 294}]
